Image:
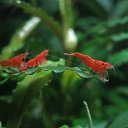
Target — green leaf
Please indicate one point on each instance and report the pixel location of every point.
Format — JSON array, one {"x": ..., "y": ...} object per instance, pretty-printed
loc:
[
  {"x": 106, "y": 4},
  {"x": 123, "y": 90},
  {"x": 25, "y": 92},
  {"x": 28, "y": 88},
  {"x": 4, "y": 81},
  {"x": 120, "y": 8},
  {"x": 31, "y": 70},
  {"x": 7, "y": 98},
  {"x": 96, "y": 8},
  {"x": 60, "y": 69},
  {"x": 64, "y": 126},
  {"x": 81, "y": 72},
  {"x": 11, "y": 70},
  {"x": 69, "y": 80},
  {"x": 120, "y": 122},
  {"x": 117, "y": 21},
  {"x": 119, "y": 58},
  {"x": 119, "y": 37},
  {"x": 57, "y": 69},
  {"x": 52, "y": 24}
]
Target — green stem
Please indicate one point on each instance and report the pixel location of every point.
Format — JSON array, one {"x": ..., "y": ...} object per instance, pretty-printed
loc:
[
  {"x": 89, "y": 115},
  {"x": 52, "y": 24},
  {"x": 67, "y": 16},
  {"x": 66, "y": 13}
]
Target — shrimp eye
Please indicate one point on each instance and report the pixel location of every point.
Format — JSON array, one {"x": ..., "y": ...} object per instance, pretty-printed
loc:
[{"x": 102, "y": 63}]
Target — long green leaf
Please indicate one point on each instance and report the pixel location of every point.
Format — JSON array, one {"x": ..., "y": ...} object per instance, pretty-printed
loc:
[
  {"x": 96, "y": 8},
  {"x": 119, "y": 37},
  {"x": 119, "y": 58},
  {"x": 121, "y": 121},
  {"x": 57, "y": 69},
  {"x": 25, "y": 92},
  {"x": 117, "y": 21}
]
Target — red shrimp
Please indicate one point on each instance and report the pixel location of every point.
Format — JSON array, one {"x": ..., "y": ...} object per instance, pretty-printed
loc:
[
  {"x": 39, "y": 59},
  {"x": 97, "y": 66},
  {"x": 15, "y": 61}
]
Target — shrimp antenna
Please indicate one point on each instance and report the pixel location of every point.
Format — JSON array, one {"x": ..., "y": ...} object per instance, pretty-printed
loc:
[{"x": 115, "y": 68}]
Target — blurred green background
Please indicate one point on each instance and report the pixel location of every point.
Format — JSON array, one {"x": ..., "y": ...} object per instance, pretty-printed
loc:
[{"x": 98, "y": 28}]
